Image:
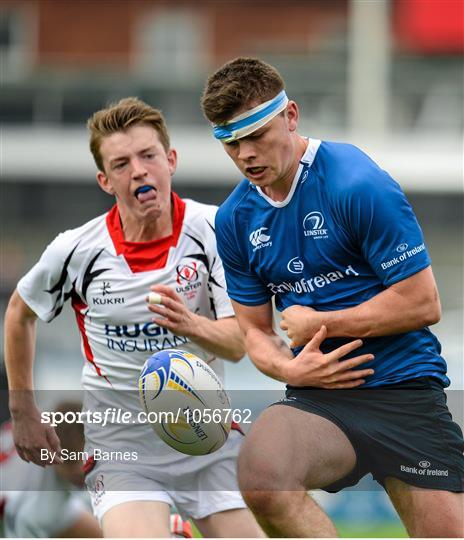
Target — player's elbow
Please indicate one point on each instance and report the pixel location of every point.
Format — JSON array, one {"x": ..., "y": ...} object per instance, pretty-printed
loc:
[
  {"x": 237, "y": 353},
  {"x": 434, "y": 315},
  {"x": 432, "y": 311}
]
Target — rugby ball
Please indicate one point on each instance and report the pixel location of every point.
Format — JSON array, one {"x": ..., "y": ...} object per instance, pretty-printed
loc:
[{"x": 185, "y": 402}]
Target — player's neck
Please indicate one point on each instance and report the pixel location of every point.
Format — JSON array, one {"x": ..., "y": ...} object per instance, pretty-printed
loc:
[
  {"x": 279, "y": 189},
  {"x": 149, "y": 229}
]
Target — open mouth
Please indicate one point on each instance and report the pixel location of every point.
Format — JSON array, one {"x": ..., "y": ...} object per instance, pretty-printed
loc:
[
  {"x": 145, "y": 193},
  {"x": 255, "y": 170}
]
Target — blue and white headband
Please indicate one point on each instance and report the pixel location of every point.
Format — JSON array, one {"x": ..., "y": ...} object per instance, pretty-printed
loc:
[{"x": 249, "y": 121}]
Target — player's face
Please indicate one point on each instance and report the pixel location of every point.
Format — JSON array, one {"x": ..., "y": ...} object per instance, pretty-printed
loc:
[
  {"x": 138, "y": 173},
  {"x": 268, "y": 157}
]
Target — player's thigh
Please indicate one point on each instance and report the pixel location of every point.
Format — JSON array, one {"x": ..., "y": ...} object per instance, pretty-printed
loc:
[
  {"x": 291, "y": 449},
  {"x": 137, "y": 519},
  {"x": 427, "y": 512},
  {"x": 236, "y": 523}
]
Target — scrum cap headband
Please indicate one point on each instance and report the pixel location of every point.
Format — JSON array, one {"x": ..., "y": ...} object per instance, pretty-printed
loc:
[{"x": 249, "y": 121}]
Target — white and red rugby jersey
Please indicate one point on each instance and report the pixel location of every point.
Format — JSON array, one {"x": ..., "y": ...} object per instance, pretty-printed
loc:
[{"x": 107, "y": 280}]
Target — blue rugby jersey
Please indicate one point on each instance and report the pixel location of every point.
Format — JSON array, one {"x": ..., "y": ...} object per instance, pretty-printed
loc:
[{"x": 344, "y": 233}]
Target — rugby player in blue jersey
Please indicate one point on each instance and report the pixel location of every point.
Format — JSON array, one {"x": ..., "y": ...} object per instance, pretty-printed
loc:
[{"x": 319, "y": 227}]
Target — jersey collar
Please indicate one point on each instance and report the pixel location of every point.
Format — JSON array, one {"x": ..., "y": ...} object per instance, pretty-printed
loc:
[
  {"x": 145, "y": 256},
  {"x": 305, "y": 163}
]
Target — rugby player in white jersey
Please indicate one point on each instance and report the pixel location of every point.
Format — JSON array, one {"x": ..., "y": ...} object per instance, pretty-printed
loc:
[{"x": 150, "y": 240}]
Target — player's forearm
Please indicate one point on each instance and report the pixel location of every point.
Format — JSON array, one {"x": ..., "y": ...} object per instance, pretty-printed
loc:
[
  {"x": 387, "y": 313},
  {"x": 405, "y": 306},
  {"x": 20, "y": 331},
  {"x": 268, "y": 352},
  {"x": 222, "y": 337}
]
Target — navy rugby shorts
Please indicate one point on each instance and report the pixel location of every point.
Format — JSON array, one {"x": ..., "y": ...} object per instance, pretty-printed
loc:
[{"x": 403, "y": 431}]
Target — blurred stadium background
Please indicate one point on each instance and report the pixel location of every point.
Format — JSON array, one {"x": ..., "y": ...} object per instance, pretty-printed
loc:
[{"x": 385, "y": 75}]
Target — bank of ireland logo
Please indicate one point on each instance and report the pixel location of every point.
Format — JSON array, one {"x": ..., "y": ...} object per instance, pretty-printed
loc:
[
  {"x": 313, "y": 224},
  {"x": 423, "y": 468},
  {"x": 295, "y": 265},
  {"x": 402, "y": 247},
  {"x": 260, "y": 239}
]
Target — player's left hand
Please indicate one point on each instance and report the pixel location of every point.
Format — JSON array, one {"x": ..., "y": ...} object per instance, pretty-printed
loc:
[
  {"x": 301, "y": 324},
  {"x": 173, "y": 313}
]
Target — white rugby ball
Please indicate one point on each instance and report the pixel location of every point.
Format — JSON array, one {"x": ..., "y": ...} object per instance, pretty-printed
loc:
[{"x": 185, "y": 402}]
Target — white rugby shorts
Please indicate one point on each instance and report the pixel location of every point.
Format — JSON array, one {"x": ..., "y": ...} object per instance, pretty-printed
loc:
[{"x": 197, "y": 486}]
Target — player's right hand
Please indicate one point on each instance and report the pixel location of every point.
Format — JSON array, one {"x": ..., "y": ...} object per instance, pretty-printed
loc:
[
  {"x": 311, "y": 367},
  {"x": 31, "y": 437}
]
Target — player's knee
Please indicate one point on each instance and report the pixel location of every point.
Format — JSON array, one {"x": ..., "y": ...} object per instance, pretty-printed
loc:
[
  {"x": 257, "y": 473},
  {"x": 267, "y": 505},
  {"x": 255, "y": 476}
]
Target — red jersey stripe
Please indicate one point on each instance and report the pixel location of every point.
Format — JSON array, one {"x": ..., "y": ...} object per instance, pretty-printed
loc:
[
  {"x": 79, "y": 307},
  {"x": 237, "y": 427},
  {"x": 144, "y": 256}
]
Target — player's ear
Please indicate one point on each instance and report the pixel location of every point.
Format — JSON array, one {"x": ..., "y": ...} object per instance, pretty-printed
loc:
[
  {"x": 292, "y": 115},
  {"x": 172, "y": 160},
  {"x": 104, "y": 183}
]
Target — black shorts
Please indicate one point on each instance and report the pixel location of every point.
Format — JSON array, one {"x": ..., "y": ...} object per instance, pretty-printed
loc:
[{"x": 403, "y": 431}]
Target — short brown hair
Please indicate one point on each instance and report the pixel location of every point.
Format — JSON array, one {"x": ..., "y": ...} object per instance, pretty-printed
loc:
[
  {"x": 121, "y": 116},
  {"x": 236, "y": 84}
]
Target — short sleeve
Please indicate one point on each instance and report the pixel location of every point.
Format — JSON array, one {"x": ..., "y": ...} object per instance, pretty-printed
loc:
[
  {"x": 243, "y": 285},
  {"x": 383, "y": 224},
  {"x": 217, "y": 282},
  {"x": 47, "y": 286}
]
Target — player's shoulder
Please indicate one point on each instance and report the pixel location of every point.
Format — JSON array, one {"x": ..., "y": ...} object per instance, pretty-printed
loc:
[
  {"x": 240, "y": 198},
  {"x": 344, "y": 168},
  {"x": 341, "y": 157},
  {"x": 90, "y": 233},
  {"x": 199, "y": 216}
]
